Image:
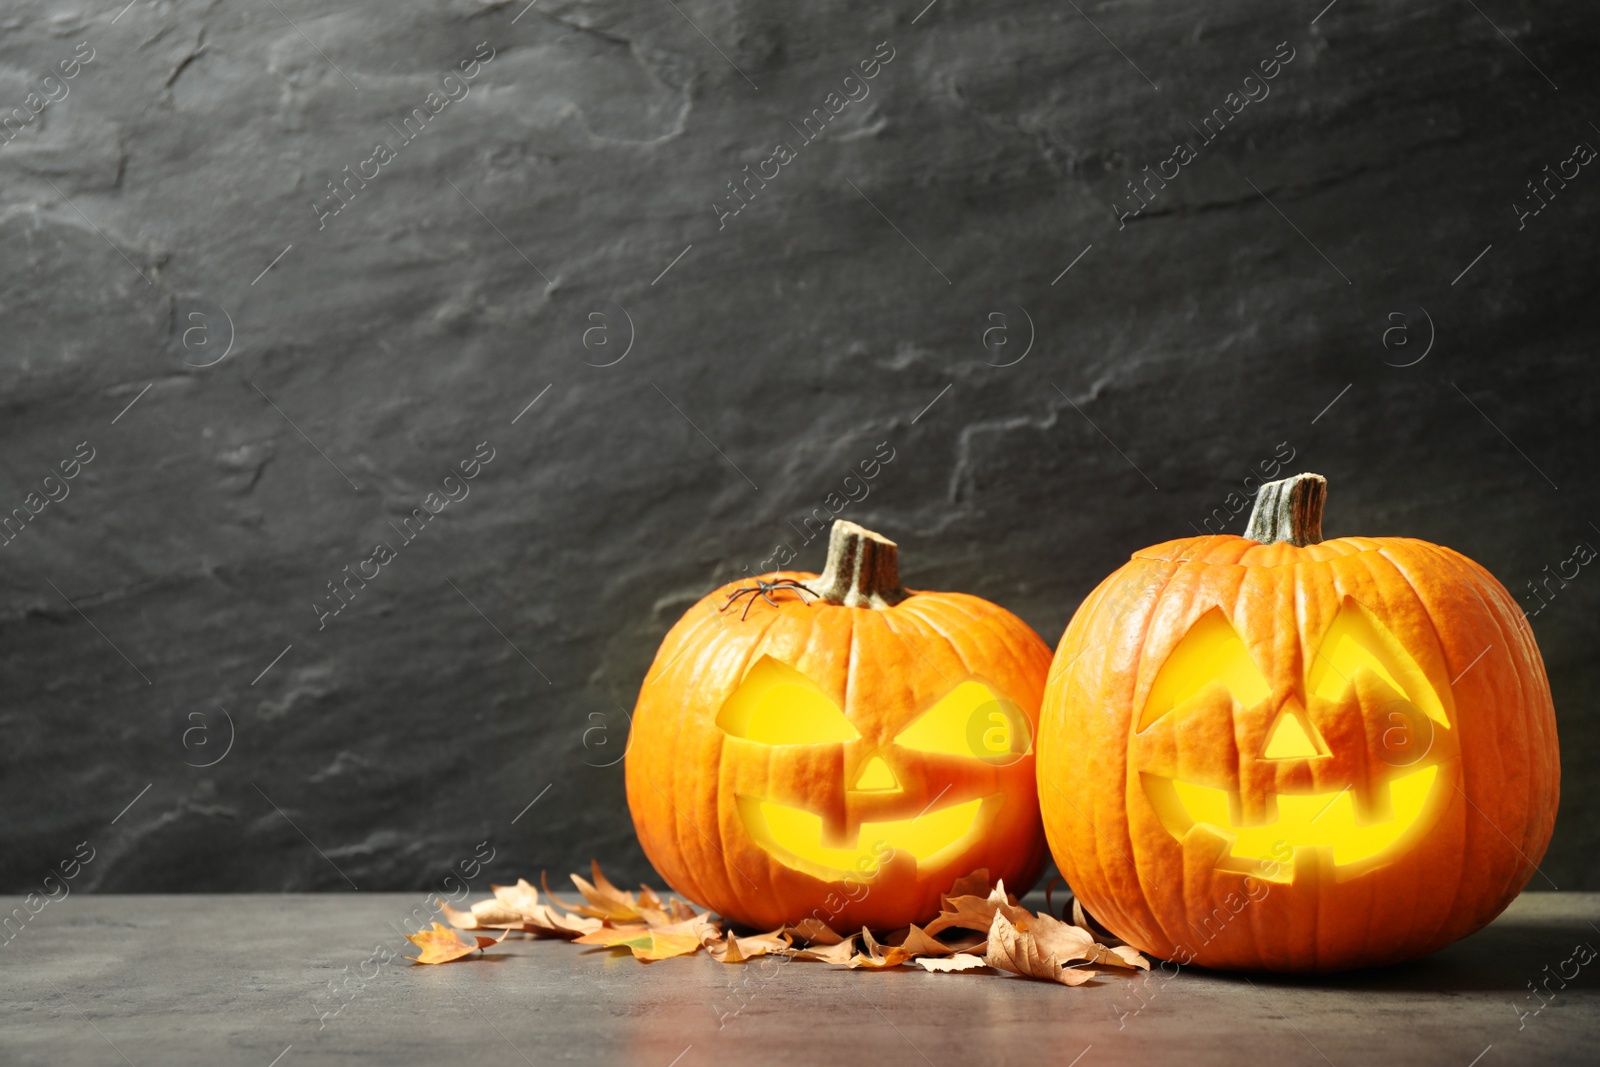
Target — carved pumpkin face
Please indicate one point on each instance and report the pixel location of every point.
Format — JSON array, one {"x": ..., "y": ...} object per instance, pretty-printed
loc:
[
  {"x": 808, "y": 759},
  {"x": 891, "y": 798},
  {"x": 1302, "y": 756},
  {"x": 1340, "y": 758}
]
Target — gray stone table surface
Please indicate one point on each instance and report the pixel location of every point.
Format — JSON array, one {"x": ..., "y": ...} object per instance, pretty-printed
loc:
[{"x": 253, "y": 979}]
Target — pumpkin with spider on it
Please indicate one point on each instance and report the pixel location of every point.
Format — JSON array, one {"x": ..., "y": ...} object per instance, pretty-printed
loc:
[{"x": 836, "y": 747}]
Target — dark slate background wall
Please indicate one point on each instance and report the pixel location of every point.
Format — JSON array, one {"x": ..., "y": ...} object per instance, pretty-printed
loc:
[{"x": 571, "y": 199}]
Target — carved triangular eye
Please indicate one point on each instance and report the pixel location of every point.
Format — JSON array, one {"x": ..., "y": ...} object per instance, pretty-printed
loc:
[
  {"x": 777, "y": 705},
  {"x": 1355, "y": 642},
  {"x": 970, "y": 720},
  {"x": 1210, "y": 654}
]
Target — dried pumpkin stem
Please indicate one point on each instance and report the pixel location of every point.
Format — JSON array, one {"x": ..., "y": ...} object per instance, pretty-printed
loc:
[
  {"x": 1289, "y": 510},
  {"x": 863, "y": 569}
]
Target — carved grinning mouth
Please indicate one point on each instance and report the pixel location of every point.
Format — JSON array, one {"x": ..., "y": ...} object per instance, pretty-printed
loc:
[
  {"x": 1326, "y": 822},
  {"x": 795, "y": 837}
]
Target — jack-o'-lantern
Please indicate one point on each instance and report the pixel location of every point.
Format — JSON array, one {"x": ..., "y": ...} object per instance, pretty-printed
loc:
[
  {"x": 1282, "y": 753},
  {"x": 835, "y": 747}
]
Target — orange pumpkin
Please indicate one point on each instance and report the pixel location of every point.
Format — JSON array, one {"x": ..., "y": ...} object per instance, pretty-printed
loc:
[
  {"x": 1282, "y": 753},
  {"x": 837, "y": 748}
]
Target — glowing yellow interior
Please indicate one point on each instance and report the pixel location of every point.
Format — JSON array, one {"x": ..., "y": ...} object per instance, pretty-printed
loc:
[
  {"x": 777, "y": 705},
  {"x": 785, "y": 831},
  {"x": 970, "y": 720},
  {"x": 1356, "y": 640},
  {"x": 1210, "y": 653},
  {"x": 1290, "y": 739},
  {"x": 876, "y": 777},
  {"x": 1312, "y": 819}
]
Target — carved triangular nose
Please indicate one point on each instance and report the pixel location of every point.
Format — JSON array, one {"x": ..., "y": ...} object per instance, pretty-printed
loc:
[
  {"x": 1292, "y": 736},
  {"x": 876, "y": 777}
]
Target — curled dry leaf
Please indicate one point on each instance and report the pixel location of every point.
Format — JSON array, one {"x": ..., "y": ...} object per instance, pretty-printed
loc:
[
  {"x": 518, "y": 908},
  {"x": 608, "y": 902},
  {"x": 521, "y": 898},
  {"x": 976, "y": 884},
  {"x": 876, "y": 957},
  {"x": 738, "y": 949},
  {"x": 918, "y": 942},
  {"x": 840, "y": 953},
  {"x": 977, "y": 913},
  {"x": 1014, "y": 950},
  {"x": 814, "y": 931},
  {"x": 442, "y": 944},
  {"x": 497, "y": 914},
  {"x": 1067, "y": 943},
  {"x": 961, "y": 961}
]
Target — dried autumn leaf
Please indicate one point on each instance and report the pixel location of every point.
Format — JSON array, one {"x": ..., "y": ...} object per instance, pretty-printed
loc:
[
  {"x": 442, "y": 944},
  {"x": 544, "y": 883},
  {"x": 1067, "y": 943},
  {"x": 606, "y": 901},
  {"x": 497, "y": 914},
  {"x": 534, "y": 915},
  {"x": 961, "y": 961},
  {"x": 814, "y": 931},
  {"x": 665, "y": 946},
  {"x": 522, "y": 897},
  {"x": 877, "y": 957},
  {"x": 548, "y": 922},
  {"x": 677, "y": 911},
  {"x": 1087, "y": 921},
  {"x": 645, "y": 943},
  {"x": 918, "y": 942},
  {"x": 976, "y": 884},
  {"x": 839, "y": 954},
  {"x": 1014, "y": 950},
  {"x": 739, "y": 949},
  {"x": 530, "y": 915},
  {"x": 977, "y": 913}
]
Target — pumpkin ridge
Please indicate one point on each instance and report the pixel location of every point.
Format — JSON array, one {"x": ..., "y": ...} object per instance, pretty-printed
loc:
[
  {"x": 991, "y": 622},
  {"x": 710, "y": 648},
  {"x": 671, "y": 743},
  {"x": 1139, "y": 875},
  {"x": 1190, "y": 591},
  {"x": 1530, "y": 805}
]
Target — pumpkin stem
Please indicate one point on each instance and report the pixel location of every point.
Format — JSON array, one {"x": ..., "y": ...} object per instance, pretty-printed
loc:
[
  {"x": 863, "y": 569},
  {"x": 1289, "y": 510}
]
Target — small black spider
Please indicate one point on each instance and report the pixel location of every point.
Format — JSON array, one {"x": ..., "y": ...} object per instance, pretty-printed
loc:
[{"x": 764, "y": 591}]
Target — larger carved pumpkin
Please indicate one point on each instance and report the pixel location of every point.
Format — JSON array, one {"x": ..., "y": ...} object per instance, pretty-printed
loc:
[
  {"x": 1277, "y": 752},
  {"x": 836, "y": 748}
]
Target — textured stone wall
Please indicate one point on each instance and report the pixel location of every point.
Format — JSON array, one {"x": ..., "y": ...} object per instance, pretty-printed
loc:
[{"x": 271, "y": 272}]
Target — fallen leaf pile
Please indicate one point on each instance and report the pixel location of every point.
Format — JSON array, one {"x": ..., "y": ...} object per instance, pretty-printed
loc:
[{"x": 979, "y": 927}]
